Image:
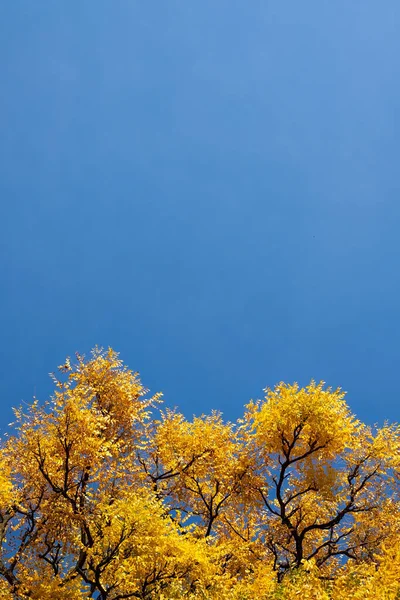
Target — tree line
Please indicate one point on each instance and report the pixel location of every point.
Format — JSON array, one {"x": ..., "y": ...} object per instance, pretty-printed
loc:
[{"x": 106, "y": 494}]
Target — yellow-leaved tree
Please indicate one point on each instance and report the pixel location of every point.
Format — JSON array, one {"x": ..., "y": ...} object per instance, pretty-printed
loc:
[{"x": 104, "y": 495}]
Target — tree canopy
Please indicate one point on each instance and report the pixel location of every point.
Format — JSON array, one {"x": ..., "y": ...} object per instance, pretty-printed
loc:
[{"x": 106, "y": 494}]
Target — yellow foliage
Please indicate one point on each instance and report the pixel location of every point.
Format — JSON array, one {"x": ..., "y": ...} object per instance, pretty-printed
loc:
[
  {"x": 318, "y": 415},
  {"x": 104, "y": 496}
]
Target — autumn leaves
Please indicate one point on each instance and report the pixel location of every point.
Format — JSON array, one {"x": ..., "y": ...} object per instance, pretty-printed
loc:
[{"x": 104, "y": 495}]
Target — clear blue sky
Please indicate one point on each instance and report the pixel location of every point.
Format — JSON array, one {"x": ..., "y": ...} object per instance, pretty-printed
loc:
[{"x": 211, "y": 188}]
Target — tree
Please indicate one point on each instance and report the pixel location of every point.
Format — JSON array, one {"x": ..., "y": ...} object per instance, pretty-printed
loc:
[{"x": 103, "y": 495}]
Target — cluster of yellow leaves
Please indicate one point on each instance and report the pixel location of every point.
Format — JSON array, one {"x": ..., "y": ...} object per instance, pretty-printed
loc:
[
  {"x": 7, "y": 492},
  {"x": 322, "y": 415},
  {"x": 104, "y": 496}
]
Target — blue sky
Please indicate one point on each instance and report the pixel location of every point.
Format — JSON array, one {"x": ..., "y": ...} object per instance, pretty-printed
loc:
[{"x": 211, "y": 188}]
